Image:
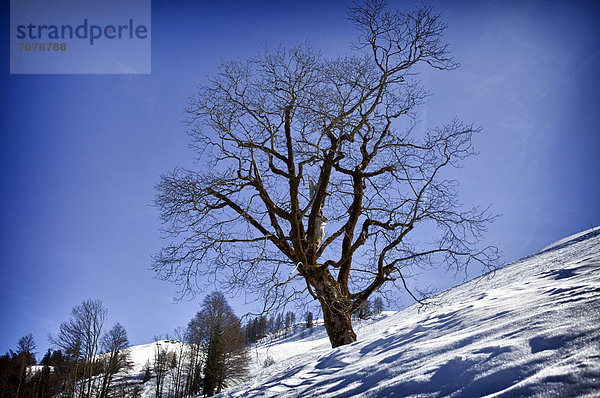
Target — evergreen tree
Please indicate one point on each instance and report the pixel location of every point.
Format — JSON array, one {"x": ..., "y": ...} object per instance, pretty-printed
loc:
[
  {"x": 54, "y": 374},
  {"x": 309, "y": 320},
  {"x": 25, "y": 357},
  {"x": 224, "y": 346},
  {"x": 13, "y": 369},
  {"x": 378, "y": 305},
  {"x": 288, "y": 322}
]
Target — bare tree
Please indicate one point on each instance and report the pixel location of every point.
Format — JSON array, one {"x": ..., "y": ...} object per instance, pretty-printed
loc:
[
  {"x": 317, "y": 174},
  {"x": 161, "y": 364},
  {"x": 181, "y": 355},
  {"x": 364, "y": 311},
  {"x": 194, "y": 361},
  {"x": 26, "y": 344},
  {"x": 79, "y": 338},
  {"x": 25, "y": 357},
  {"x": 115, "y": 345}
]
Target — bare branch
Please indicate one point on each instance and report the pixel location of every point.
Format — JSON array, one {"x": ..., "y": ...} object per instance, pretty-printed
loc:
[{"x": 318, "y": 175}]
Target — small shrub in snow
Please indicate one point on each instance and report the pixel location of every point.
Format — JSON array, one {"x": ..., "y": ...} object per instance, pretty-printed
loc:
[{"x": 268, "y": 362}]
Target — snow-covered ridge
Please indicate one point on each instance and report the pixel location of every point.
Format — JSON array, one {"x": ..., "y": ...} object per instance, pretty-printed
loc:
[
  {"x": 530, "y": 329},
  {"x": 581, "y": 236}
]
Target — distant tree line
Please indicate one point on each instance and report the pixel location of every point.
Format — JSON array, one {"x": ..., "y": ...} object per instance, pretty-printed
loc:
[
  {"x": 284, "y": 324},
  {"x": 89, "y": 362},
  {"x": 207, "y": 356},
  {"x": 278, "y": 324},
  {"x": 83, "y": 365}
]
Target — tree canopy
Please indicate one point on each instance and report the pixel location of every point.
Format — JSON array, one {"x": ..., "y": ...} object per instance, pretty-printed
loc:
[{"x": 317, "y": 173}]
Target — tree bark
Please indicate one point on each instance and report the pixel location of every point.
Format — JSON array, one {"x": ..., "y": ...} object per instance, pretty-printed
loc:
[
  {"x": 338, "y": 325},
  {"x": 337, "y": 311}
]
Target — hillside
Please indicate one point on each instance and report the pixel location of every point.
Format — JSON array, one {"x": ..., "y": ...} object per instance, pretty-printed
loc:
[{"x": 530, "y": 329}]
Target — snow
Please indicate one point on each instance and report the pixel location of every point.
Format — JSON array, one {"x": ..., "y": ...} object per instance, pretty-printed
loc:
[
  {"x": 571, "y": 239},
  {"x": 529, "y": 329},
  {"x": 141, "y": 354}
]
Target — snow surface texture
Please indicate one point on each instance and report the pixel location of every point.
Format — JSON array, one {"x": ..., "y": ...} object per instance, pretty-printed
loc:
[{"x": 531, "y": 329}]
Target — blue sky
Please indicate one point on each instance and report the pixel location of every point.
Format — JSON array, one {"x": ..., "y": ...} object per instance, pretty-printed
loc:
[{"x": 80, "y": 154}]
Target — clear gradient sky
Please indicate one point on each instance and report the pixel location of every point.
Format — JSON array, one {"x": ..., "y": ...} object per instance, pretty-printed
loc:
[{"x": 80, "y": 154}]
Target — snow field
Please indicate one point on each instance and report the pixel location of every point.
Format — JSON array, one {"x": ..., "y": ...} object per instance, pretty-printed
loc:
[{"x": 530, "y": 329}]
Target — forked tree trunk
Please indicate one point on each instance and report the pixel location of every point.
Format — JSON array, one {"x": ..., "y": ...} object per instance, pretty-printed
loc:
[{"x": 336, "y": 311}]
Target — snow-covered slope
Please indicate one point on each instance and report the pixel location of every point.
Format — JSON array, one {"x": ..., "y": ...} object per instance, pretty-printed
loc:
[{"x": 531, "y": 329}]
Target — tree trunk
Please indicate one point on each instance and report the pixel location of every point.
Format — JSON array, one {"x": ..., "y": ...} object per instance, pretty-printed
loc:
[
  {"x": 336, "y": 311},
  {"x": 21, "y": 377},
  {"x": 338, "y": 325}
]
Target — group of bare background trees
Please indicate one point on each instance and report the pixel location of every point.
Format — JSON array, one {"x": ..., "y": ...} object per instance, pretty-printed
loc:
[
  {"x": 205, "y": 357},
  {"x": 84, "y": 364},
  {"x": 95, "y": 355},
  {"x": 89, "y": 362}
]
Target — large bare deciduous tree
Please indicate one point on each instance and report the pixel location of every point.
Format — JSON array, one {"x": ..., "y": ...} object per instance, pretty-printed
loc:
[{"x": 317, "y": 174}]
